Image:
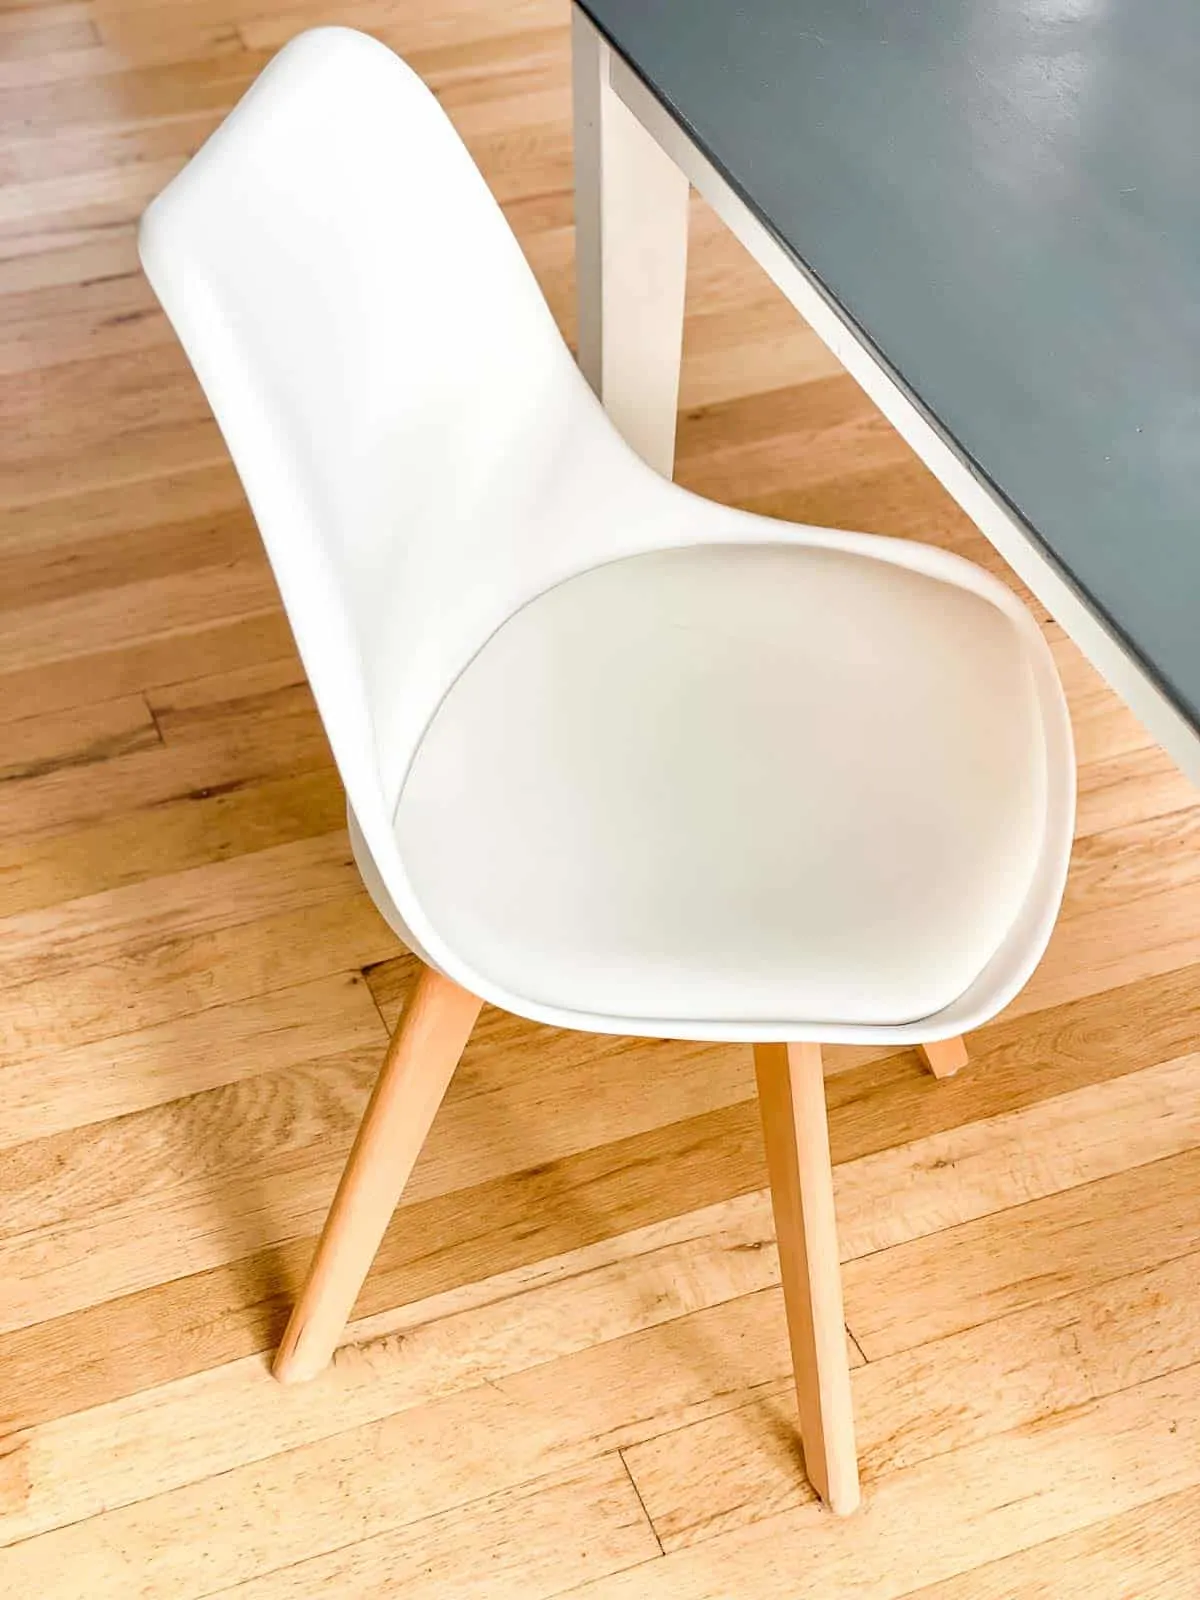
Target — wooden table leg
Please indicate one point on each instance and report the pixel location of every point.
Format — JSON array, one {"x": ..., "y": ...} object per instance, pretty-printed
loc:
[{"x": 631, "y": 218}]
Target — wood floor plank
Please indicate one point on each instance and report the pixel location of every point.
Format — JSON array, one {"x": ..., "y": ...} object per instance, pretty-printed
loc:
[
  {"x": 19, "y": 20},
  {"x": 92, "y": 402},
  {"x": 120, "y": 669},
  {"x": 771, "y": 352},
  {"x": 160, "y": 495},
  {"x": 78, "y": 625},
  {"x": 824, "y": 432},
  {"x": 1018, "y": 1061},
  {"x": 185, "y": 1325},
  {"x": 66, "y": 261},
  {"x": 188, "y": 1429},
  {"x": 95, "y": 1081},
  {"x": 165, "y": 979},
  {"x": 54, "y": 306},
  {"x": 116, "y": 925},
  {"x": 36, "y": 746},
  {"x": 46, "y": 154},
  {"x": 202, "y": 824},
  {"x": 36, "y": 573},
  {"x": 237, "y": 704},
  {"x": 215, "y": 1316},
  {"x": 58, "y": 1270},
  {"x": 1048, "y": 1247},
  {"x": 1112, "y": 869},
  {"x": 85, "y": 61},
  {"x": 1137, "y": 1555},
  {"x": 520, "y": 1429},
  {"x": 52, "y": 29},
  {"x": 584, "y": 1264},
  {"x": 450, "y": 23},
  {"x": 54, "y": 469},
  {"x": 496, "y": 67},
  {"x": 1115, "y": 945},
  {"x": 204, "y": 751},
  {"x": 1130, "y": 788},
  {"x": 199, "y": 704},
  {"x": 1079, "y": 1467},
  {"x": 254, "y": 1130},
  {"x": 950, "y": 1514},
  {"x": 901, "y": 499},
  {"x": 272, "y": 1146},
  {"x": 110, "y": 89},
  {"x": 988, "y": 1165},
  {"x": 940, "y": 1398},
  {"x": 522, "y": 1544}
]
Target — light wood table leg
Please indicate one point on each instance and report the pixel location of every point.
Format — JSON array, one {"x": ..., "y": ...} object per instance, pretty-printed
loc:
[
  {"x": 425, "y": 1049},
  {"x": 946, "y": 1057},
  {"x": 631, "y": 219},
  {"x": 791, "y": 1095}
]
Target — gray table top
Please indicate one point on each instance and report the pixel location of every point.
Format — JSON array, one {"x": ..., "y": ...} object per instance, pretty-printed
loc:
[{"x": 1004, "y": 197}]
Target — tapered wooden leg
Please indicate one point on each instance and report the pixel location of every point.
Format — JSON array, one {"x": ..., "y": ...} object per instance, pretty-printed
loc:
[
  {"x": 425, "y": 1049},
  {"x": 946, "y": 1057},
  {"x": 791, "y": 1097}
]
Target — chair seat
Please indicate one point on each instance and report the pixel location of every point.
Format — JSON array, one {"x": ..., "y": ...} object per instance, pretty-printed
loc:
[{"x": 744, "y": 782}]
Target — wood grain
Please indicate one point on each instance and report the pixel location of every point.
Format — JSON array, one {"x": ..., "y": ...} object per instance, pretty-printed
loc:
[
  {"x": 576, "y": 1310},
  {"x": 120, "y": 1451},
  {"x": 73, "y": 936},
  {"x": 175, "y": 977},
  {"x": 1051, "y": 1246},
  {"x": 95, "y": 1081},
  {"x": 36, "y": 746},
  {"x": 791, "y": 1096},
  {"x": 954, "y": 1512},
  {"x": 677, "y": 1167},
  {"x": 274, "y": 1144},
  {"x": 521, "y": 1544},
  {"x": 36, "y": 571},
  {"x": 199, "y": 825},
  {"x": 1014, "y": 1373},
  {"x": 610, "y": 1395},
  {"x": 1138, "y": 1554}
]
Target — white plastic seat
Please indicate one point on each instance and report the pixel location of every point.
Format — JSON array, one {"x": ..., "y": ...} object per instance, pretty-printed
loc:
[
  {"x": 733, "y": 785},
  {"x": 616, "y": 758}
]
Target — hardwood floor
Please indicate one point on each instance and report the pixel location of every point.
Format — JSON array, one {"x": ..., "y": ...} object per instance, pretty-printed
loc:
[{"x": 569, "y": 1371}]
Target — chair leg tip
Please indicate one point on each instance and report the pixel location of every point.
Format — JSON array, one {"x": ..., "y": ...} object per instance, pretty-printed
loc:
[
  {"x": 846, "y": 1503},
  {"x": 297, "y": 1360},
  {"x": 287, "y": 1371},
  {"x": 945, "y": 1058},
  {"x": 841, "y": 1495}
]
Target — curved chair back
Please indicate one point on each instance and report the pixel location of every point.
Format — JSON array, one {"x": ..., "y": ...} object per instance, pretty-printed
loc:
[{"x": 409, "y": 426}]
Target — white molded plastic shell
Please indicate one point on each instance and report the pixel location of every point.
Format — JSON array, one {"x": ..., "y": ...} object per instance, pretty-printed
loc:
[{"x": 467, "y": 553}]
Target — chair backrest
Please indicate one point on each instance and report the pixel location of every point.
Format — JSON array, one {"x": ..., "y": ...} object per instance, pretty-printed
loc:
[{"x": 404, "y": 415}]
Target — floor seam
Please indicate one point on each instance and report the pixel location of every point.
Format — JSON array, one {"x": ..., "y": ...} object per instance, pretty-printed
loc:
[{"x": 641, "y": 1502}]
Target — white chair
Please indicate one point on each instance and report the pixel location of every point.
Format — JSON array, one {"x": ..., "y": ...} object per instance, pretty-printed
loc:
[{"x": 616, "y": 758}]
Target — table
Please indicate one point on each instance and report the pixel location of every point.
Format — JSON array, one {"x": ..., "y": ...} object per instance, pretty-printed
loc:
[{"x": 991, "y": 215}]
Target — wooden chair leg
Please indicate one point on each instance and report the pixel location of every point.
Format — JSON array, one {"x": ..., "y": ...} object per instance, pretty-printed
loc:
[
  {"x": 791, "y": 1096},
  {"x": 424, "y": 1051},
  {"x": 946, "y": 1057}
]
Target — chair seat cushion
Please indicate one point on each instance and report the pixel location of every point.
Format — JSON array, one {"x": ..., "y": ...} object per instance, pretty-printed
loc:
[{"x": 734, "y": 782}]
